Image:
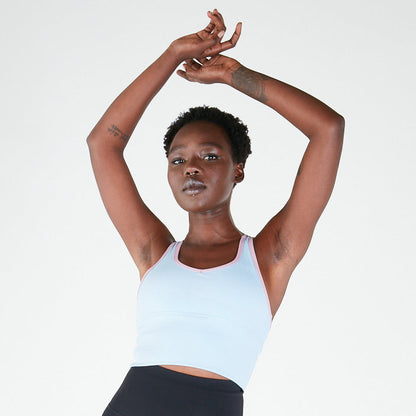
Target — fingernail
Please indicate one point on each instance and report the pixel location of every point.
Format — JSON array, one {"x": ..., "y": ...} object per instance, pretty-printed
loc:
[{"x": 221, "y": 34}]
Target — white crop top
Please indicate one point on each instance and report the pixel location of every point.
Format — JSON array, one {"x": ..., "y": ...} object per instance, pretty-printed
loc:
[{"x": 216, "y": 319}]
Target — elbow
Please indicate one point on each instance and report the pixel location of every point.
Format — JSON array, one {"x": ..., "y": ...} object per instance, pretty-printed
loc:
[
  {"x": 93, "y": 136},
  {"x": 332, "y": 130},
  {"x": 340, "y": 123},
  {"x": 336, "y": 127},
  {"x": 90, "y": 139}
]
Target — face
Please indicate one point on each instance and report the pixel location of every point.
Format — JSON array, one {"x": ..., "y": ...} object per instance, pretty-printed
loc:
[{"x": 201, "y": 171}]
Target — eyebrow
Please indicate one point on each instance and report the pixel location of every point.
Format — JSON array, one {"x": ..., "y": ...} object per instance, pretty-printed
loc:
[{"x": 181, "y": 146}]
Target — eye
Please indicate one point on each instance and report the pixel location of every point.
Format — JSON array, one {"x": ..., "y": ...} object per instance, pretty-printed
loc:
[
  {"x": 211, "y": 156},
  {"x": 176, "y": 161}
]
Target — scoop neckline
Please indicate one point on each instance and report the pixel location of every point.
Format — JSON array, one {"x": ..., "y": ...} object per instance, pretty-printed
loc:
[{"x": 236, "y": 258}]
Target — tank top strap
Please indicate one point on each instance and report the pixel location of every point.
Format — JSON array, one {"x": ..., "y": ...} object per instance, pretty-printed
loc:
[{"x": 166, "y": 256}]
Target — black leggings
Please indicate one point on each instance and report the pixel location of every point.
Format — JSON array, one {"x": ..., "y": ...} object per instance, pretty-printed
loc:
[{"x": 157, "y": 391}]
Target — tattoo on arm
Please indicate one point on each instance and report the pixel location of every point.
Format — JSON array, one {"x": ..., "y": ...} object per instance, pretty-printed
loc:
[
  {"x": 115, "y": 131},
  {"x": 250, "y": 82}
]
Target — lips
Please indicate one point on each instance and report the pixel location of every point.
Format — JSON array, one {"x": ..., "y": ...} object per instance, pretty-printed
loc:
[{"x": 193, "y": 186}]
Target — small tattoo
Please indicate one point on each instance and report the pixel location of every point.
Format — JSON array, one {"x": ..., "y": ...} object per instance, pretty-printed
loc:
[
  {"x": 115, "y": 131},
  {"x": 250, "y": 82}
]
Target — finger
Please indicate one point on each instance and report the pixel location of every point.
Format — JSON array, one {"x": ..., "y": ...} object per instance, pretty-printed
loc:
[
  {"x": 191, "y": 69},
  {"x": 210, "y": 27},
  {"x": 185, "y": 75},
  {"x": 189, "y": 61},
  {"x": 218, "y": 13},
  {"x": 225, "y": 45},
  {"x": 182, "y": 73},
  {"x": 219, "y": 22},
  {"x": 219, "y": 18},
  {"x": 209, "y": 33},
  {"x": 210, "y": 41},
  {"x": 202, "y": 61},
  {"x": 190, "y": 74},
  {"x": 210, "y": 62},
  {"x": 236, "y": 35},
  {"x": 193, "y": 64},
  {"x": 214, "y": 27}
]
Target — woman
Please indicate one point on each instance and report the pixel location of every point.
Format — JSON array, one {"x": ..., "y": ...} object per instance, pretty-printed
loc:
[{"x": 205, "y": 305}]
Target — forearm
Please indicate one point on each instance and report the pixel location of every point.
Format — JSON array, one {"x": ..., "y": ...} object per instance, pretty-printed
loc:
[
  {"x": 305, "y": 112},
  {"x": 119, "y": 121}
]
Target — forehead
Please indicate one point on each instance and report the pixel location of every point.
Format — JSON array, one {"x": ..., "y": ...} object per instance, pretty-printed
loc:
[{"x": 200, "y": 133}]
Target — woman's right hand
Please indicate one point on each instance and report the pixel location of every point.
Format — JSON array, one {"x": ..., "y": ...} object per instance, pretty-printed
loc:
[{"x": 206, "y": 42}]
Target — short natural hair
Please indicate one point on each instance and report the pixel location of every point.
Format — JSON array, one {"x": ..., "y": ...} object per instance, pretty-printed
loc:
[{"x": 236, "y": 130}]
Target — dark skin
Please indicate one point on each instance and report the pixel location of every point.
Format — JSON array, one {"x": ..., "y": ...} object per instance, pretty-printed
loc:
[
  {"x": 213, "y": 238},
  {"x": 191, "y": 156},
  {"x": 201, "y": 151}
]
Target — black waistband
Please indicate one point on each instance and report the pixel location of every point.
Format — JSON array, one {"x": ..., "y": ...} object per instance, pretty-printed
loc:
[{"x": 220, "y": 385}]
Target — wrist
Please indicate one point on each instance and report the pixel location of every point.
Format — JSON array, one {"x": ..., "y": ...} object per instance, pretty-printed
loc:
[
  {"x": 172, "y": 53},
  {"x": 228, "y": 73}
]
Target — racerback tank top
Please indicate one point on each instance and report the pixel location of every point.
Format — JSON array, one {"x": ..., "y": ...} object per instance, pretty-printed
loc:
[{"x": 216, "y": 319}]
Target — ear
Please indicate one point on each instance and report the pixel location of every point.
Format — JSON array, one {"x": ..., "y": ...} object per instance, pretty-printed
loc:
[{"x": 238, "y": 172}]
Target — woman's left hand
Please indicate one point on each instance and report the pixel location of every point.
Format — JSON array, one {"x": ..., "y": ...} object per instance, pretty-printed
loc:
[{"x": 208, "y": 71}]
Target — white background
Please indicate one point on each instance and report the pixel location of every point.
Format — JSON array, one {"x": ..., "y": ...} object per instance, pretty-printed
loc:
[{"x": 343, "y": 340}]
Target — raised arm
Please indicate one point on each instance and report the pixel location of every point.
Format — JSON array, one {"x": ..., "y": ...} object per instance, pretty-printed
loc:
[
  {"x": 289, "y": 232},
  {"x": 145, "y": 236}
]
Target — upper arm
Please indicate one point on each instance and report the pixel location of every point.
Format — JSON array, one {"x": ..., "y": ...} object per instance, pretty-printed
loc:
[
  {"x": 139, "y": 228},
  {"x": 292, "y": 228}
]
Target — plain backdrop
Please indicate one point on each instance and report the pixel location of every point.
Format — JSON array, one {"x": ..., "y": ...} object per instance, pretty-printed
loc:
[{"x": 343, "y": 340}]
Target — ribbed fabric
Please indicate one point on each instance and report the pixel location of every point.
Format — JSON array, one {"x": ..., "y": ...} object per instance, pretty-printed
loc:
[{"x": 216, "y": 319}]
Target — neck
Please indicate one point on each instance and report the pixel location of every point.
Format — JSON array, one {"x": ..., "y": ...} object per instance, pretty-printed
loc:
[{"x": 214, "y": 227}]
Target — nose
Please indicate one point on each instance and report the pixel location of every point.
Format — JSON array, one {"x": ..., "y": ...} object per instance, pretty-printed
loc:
[
  {"x": 192, "y": 167},
  {"x": 191, "y": 170}
]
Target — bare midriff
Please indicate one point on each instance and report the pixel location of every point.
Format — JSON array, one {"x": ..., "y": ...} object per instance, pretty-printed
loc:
[{"x": 193, "y": 371}]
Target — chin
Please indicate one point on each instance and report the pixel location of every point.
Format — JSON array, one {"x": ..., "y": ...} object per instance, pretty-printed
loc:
[{"x": 194, "y": 208}]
